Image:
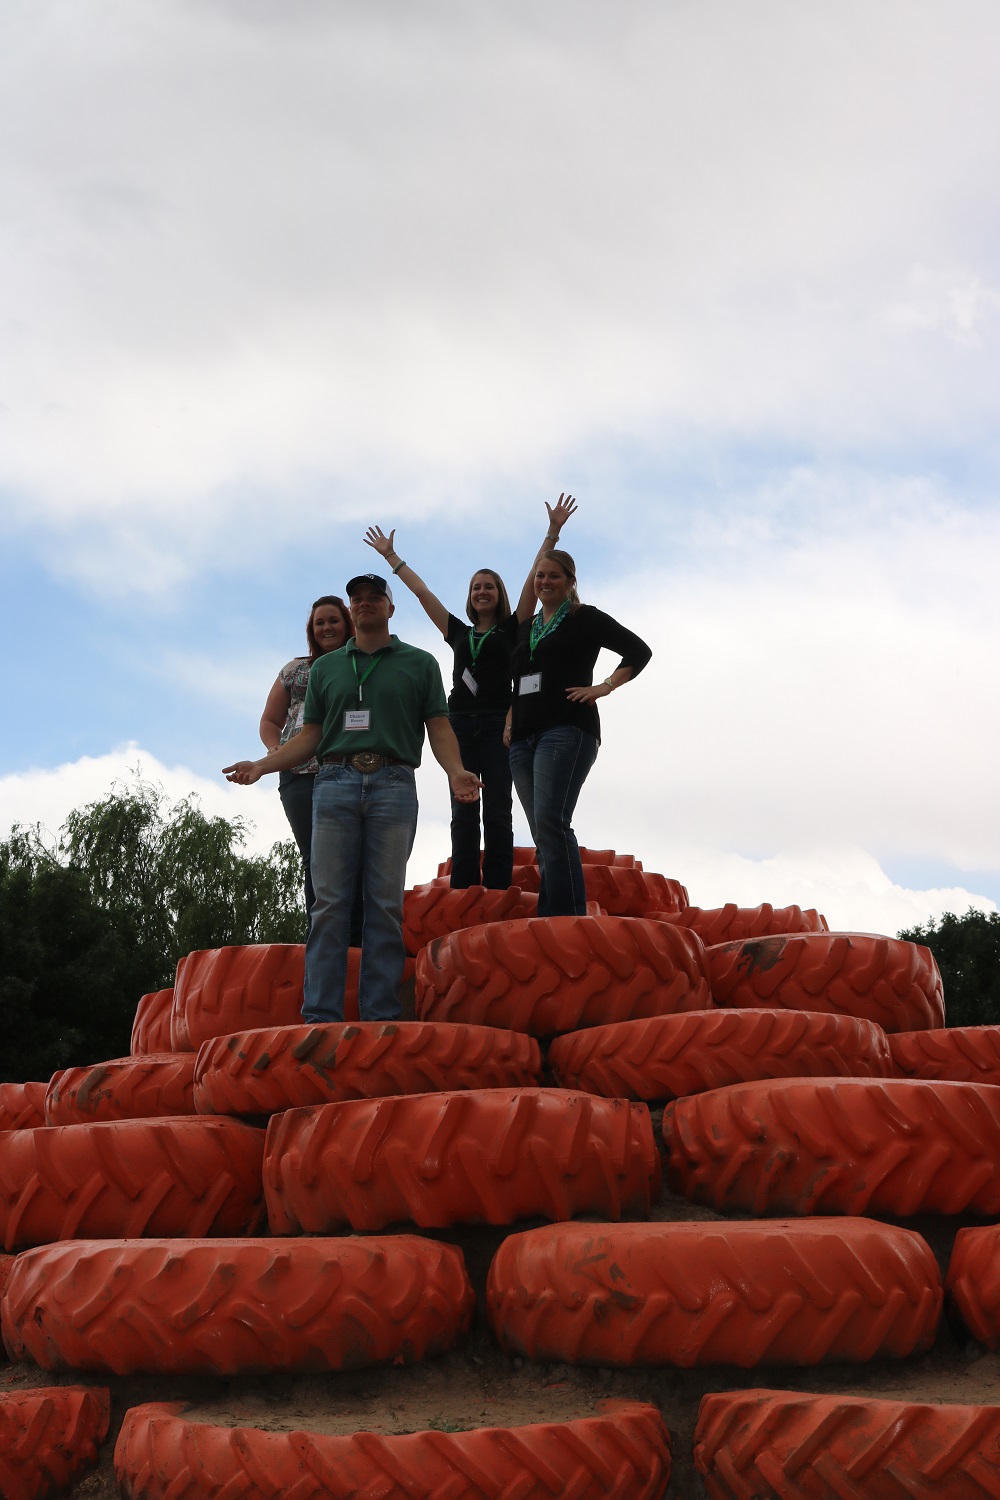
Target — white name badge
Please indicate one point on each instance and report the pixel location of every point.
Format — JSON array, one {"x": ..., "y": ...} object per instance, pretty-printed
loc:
[
  {"x": 470, "y": 682},
  {"x": 530, "y": 683},
  {"x": 357, "y": 718}
]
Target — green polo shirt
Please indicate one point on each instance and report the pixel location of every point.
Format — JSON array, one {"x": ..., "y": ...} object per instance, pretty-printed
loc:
[{"x": 403, "y": 689}]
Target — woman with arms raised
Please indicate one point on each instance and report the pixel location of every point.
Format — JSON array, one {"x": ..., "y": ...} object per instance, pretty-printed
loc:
[
  {"x": 554, "y": 729},
  {"x": 479, "y": 700}
]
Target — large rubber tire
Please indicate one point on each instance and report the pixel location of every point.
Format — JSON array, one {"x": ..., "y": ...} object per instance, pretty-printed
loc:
[
  {"x": 22, "y": 1105},
  {"x": 433, "y": 911},
  {"x": 686, "y": 1294},
  {"x": 123, "y": 1178},
  {"x": 151, "y": 1027},
  {"x": 231, "y": 1307},
  {"x": 973, "y": 1282},
  {"x": 878, "y": 979},
  {"x": 621, "y": 1455},
  {"x": 751, "y": 1445},
  {"x": 49, "y": 1437},
  {"x": 963, "y": 1054},
  {"x": 632, "y": 892},
  {"x": 219, "y": 991},
  {"x": 126, "y": 1088},
  {"x": 6, "y": 1266},
  {"x": 732, "y": 923},
  {"x": 847, "y": 1145},
  {"x": 262, "y": 1072},
  {"x": 556, "y": 974},
  {"x": 666, "y": 1057},
  {"x": 479, "y": 1157}
]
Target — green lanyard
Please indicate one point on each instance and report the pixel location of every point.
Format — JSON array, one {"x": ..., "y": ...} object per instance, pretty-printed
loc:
[
  {"x": 540, "y": 631},
  {"x": 476, "y": 643},
  {"x": 368, "y": 672}
]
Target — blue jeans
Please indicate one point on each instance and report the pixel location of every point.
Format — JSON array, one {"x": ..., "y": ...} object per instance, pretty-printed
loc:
[
  {"x": 549, "y": 770},
  {"x": 370, "y": 818},
  {"x": 296, "y": 793},
  {"x": 480, "y": 741}
]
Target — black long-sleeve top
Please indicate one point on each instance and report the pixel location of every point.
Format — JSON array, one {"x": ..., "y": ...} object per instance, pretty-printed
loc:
[{"x": 565, "y": 658}]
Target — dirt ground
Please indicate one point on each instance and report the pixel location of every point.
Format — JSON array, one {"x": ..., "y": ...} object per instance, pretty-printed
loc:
[{"x": 476, "y": 1385}]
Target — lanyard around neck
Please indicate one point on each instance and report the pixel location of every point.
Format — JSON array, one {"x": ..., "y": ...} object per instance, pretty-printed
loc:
[
  {"x": 539, "y": 630},
  {"x": 476, "y": 643},
  {"x": 366, "y": 674}
]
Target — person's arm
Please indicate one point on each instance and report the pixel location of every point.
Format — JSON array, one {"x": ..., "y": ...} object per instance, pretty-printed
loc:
[
  {"x": 634, "y": 653},
  {"x": 301, "y": 747},
  {"x": 272, "y": 720},
  {"x": 444, "y": 747},
  {"x": 559, "y": 514},
  {"x": 430, "y": 603}
]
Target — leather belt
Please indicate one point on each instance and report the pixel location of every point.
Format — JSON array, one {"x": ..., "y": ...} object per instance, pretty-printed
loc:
[{"x": 365, "y": 761}]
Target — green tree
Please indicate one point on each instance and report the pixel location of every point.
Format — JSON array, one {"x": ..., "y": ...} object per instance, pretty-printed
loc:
[
  {"x": 967, "y": 950},
  {"x": 94, "y": 918}
]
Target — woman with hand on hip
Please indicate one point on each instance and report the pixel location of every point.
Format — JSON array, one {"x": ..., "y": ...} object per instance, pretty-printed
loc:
[
  {"x": 479, "y": 701},
  {"x": 328, "y": 627},
  {"x": 554, "y": 729}
]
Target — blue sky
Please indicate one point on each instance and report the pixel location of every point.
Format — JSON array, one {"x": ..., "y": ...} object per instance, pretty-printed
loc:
[{"x": 729, "y": 274}]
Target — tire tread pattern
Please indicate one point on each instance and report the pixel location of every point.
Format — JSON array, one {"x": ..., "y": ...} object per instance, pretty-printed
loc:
[
  {"x": 750, "y": 1445},
  {"x": 231, "y": 1307},
  {"x": 881, "y": 979},
  {"x": 667, "y": 1057},
  {"x": 851, "y": 1146},
  {"x": 548, "y": 975},
  {"x": 738, "y": 1293},
  {"x": 623, "y": 1454},
  {"x": 489, "y": 1156},
  {"x": 126, "y": 1088},
  {"x": 49, "y": 1436},
  {"x": 261, "y": 1072},
  {"x": 151, "y": 1027}
]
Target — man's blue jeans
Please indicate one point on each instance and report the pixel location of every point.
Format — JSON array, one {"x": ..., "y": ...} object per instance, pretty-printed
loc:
[
  {"x": 480, "y": 741},
  {"x": 357, "y": 816},
  {"x": 549, "y": 770}
]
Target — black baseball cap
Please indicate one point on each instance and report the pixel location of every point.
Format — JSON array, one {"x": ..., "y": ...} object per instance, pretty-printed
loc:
[{"x": 375, "y": 581}]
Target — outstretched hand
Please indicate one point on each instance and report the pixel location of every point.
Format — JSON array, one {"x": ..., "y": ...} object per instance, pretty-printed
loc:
[
  {"x": 465, "y": 785},
  {"x": 376, "y": 537},
  {"x": 244, "y": 772},
  {"x": 560, "y": 513}
]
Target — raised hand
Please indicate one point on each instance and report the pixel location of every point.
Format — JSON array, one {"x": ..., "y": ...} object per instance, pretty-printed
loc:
[
  {"x": 376, "y": 537},
  {"x": 560, "y": 513}
]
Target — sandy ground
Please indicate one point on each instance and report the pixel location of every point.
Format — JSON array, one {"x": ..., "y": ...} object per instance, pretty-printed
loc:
[{"x": 475, "y": 1385}]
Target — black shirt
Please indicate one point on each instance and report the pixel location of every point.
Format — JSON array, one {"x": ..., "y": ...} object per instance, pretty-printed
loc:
[
  {"x": 491, "y": 671},
  {"x": 565, "y": 658}
]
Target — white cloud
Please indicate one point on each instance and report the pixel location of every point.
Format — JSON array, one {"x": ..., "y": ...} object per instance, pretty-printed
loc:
[{"x": 382, "y": 247}]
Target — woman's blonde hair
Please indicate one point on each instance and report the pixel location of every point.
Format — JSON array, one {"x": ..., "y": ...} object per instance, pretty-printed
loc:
[{"x": 568, "y": 566}]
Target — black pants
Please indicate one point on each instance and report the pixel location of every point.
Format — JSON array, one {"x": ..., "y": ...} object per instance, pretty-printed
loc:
[
  {"x": 296, "y": 793},
  {"x": 480, "y": 740}
]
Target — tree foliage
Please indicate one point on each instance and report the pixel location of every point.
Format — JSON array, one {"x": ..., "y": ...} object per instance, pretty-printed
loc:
[
  {"x": 967, "y": 950},
  {"x": 99, "y": 915}
]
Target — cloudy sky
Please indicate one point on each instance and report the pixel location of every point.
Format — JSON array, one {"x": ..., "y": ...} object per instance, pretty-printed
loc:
[{"x": 727, "y": 272}]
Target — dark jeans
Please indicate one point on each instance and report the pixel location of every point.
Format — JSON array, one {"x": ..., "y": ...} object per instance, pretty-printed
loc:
[
  {"x": 549, "y": 770},
  {"x": 480, "y": 741},
  {"x": 296, "y": 793}
]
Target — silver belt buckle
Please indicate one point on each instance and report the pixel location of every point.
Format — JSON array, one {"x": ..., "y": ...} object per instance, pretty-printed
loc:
[{"x": 367, "y": 761}]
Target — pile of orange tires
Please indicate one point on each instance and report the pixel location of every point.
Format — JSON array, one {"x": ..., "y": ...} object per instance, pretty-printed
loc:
[{"x": 248, "y": 1194}]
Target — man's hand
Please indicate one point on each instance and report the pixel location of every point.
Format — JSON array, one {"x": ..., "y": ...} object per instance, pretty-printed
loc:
[
  {"x": 244, "y": 772},
  {"x": 465, "y": 786}
]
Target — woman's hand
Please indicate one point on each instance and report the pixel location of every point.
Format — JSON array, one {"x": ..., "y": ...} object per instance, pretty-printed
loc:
[
  {"x": 588, "y": 694},
  {"x": 560, "y": 513},
  {"x": 244, "y": 772},
  {"x": 376, "y": 537}
]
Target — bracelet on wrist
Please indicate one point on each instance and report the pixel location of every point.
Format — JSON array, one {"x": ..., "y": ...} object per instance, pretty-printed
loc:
[
  {"x": 398, "y": 566},
  {"x": 609, "y": 684}
]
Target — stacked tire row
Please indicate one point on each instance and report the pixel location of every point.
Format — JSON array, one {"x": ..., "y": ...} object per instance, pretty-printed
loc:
[{"x": 445, "y": 1121}]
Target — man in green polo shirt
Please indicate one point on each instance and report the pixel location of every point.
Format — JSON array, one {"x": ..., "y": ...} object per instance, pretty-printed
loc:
[{"x": 367, "y": 707}]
